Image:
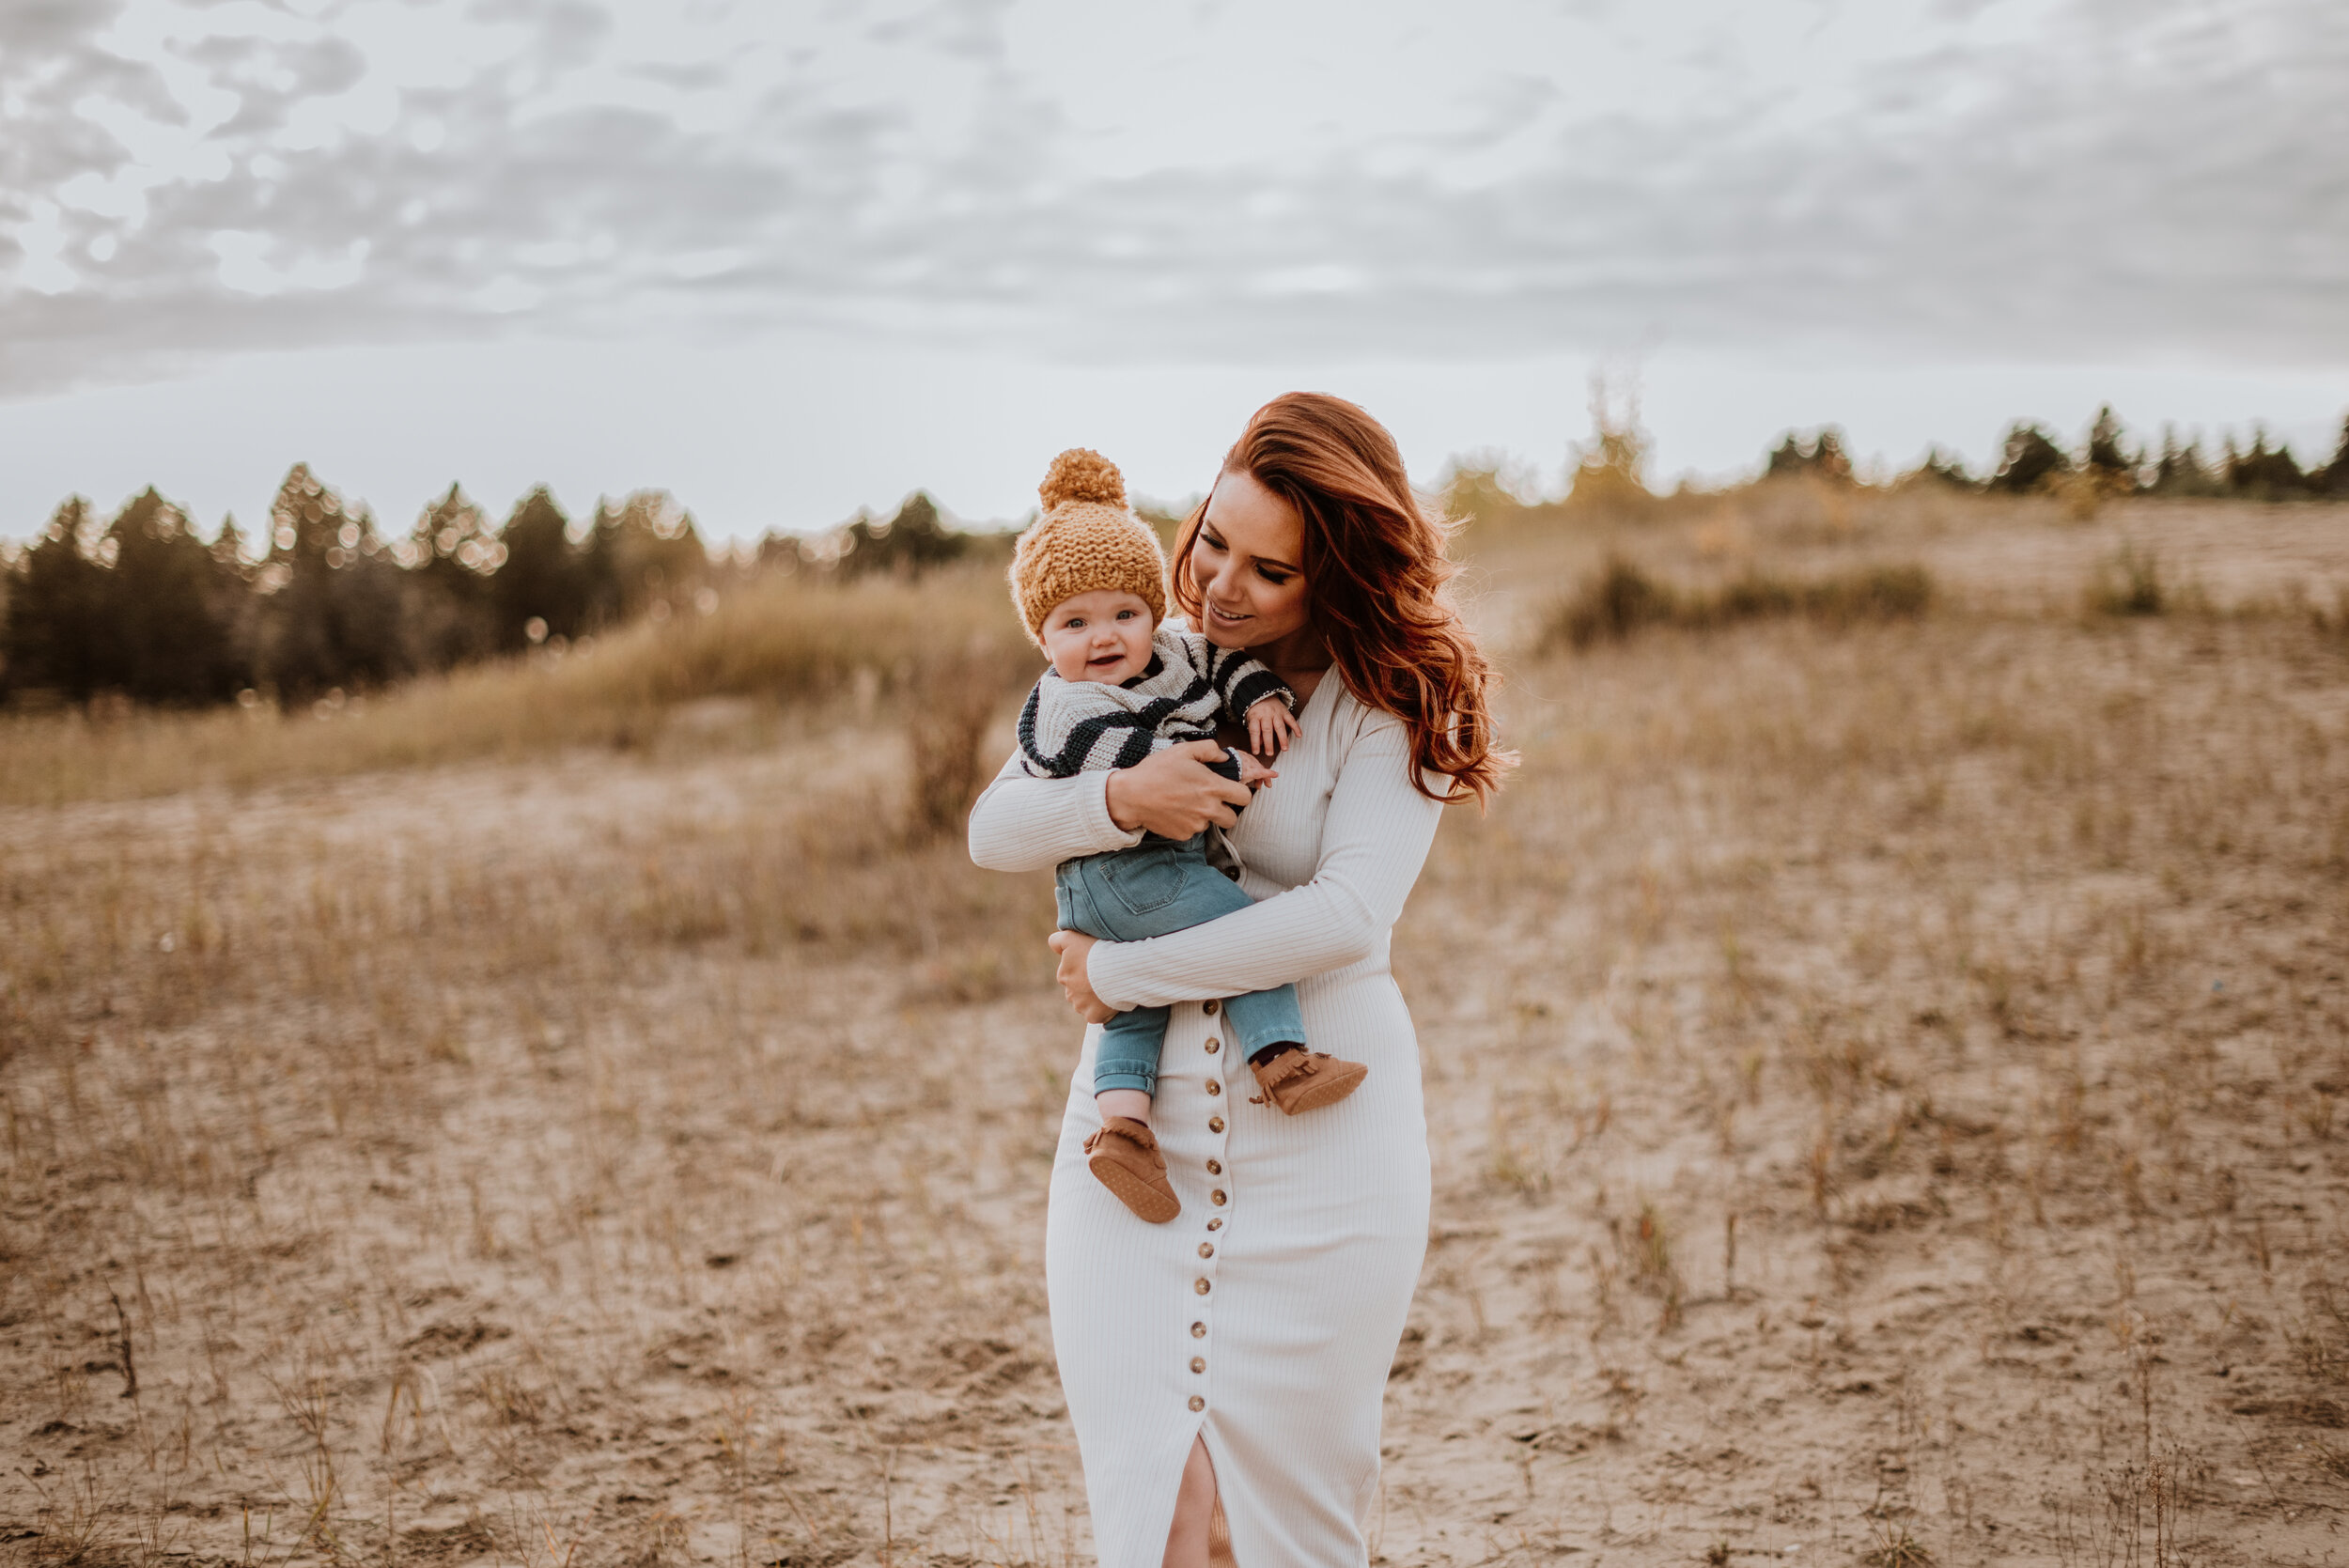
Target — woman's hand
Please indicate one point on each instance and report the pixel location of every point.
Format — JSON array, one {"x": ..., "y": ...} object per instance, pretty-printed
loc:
[
  {"x": 1175, "y": 794},
  {"x": 1074, "y": 948}
]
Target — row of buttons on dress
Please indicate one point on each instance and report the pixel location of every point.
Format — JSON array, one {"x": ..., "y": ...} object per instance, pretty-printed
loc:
[{"x": 1219, "y": 1198}]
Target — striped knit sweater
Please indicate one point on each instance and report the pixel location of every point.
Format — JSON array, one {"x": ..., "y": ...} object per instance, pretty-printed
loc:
[{"x": 1074, "y": 726}]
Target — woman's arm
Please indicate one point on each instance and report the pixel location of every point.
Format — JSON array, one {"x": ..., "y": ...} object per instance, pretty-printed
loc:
[
  {"x": 1373, "y": 844},
  {"x": 1027, "y": 824}
]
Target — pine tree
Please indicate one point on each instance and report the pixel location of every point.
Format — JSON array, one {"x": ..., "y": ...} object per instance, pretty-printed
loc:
[
  {"x": 2262, "y": 474},
  {"x": 2113, "y": 461},
  {"x": 909, "y": 544},
  {"x": 450, "y": 556},
  {"x": 1822, "y": 456},
  {"x": 331, "y": 595},
  {"x": 1940, "y": 467},
  {"x": 2333, "y": 479},
  {"x": 642, "y": 552},
  {"x": 55, "y": 634},
  {"x": 170, "y": 635},
  {"x": 2031, "y": 460},
  {"x": 540, "y": 579}
]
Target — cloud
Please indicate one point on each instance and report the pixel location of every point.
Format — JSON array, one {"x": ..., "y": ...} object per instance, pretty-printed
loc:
[{"x": 1899, "y": 178}]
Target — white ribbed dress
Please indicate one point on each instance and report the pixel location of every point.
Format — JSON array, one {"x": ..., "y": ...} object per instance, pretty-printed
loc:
[{"x": 1267, "y": 1314}]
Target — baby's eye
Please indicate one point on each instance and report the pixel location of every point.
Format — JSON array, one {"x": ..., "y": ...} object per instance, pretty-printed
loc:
[{"x": 1125, "y": 614}]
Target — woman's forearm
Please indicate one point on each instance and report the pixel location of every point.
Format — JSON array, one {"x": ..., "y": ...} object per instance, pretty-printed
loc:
[
  {"x": 1374, "y": 838},
  {"x": 1027, "y": 824}
]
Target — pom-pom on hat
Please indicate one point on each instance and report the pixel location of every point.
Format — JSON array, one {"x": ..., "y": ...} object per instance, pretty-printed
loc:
[{"x": 1086, "y": 538}]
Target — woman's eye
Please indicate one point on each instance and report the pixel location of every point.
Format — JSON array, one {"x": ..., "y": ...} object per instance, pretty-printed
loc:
[{"x": 1276, "y": 579}]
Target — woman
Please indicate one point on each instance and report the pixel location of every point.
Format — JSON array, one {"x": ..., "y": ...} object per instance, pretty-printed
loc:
[{"x": 1224, "y": 1372}]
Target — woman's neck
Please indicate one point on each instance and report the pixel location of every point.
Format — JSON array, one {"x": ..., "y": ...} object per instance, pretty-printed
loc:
[{"x": 1300, "y": 659}]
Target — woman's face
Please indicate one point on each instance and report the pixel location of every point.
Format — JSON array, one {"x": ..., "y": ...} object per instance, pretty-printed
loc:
[{"x": 1246, "y": 565}]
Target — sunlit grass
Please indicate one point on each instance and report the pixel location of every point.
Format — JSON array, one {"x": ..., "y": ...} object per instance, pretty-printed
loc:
[
  {"x": 781, "y": 643},
  {"x": 1906, "y": 1050}
]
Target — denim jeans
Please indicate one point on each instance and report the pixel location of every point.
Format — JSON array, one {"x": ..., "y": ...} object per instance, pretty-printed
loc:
[{"x": 1157, "y": 887}]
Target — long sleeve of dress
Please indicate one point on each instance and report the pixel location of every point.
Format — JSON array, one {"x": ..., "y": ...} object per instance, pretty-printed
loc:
[
  {"x": 1373, "y": 841},
  {"x": 1027, "y": 824}
]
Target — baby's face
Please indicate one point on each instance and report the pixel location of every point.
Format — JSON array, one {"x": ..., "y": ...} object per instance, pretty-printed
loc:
[{"x": 1103, "y": 635}]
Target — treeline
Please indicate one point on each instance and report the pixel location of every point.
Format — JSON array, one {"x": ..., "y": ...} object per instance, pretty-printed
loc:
[
  {"x": 2032, "y": 460},
  {"x": 142, "y": 605}
]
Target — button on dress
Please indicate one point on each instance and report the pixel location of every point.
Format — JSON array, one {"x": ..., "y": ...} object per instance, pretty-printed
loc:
[{"x": 1265, "y": 1316}]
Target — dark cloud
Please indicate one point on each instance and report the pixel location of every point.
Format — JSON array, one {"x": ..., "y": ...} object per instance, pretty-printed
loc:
[{"x": 2142, "y": 180}]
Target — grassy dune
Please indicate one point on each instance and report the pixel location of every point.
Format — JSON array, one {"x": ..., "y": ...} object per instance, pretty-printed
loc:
[
  {"x": 783, "y": 644},
  {"x": 1884, "y": 1082}
]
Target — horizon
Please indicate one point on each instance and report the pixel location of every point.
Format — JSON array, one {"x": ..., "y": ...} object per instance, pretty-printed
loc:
[
  {"x": 786, "y": 265},
  {"x": 1530, "y": 479}
]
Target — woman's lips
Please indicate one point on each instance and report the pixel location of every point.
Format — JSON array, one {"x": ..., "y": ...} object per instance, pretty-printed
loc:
[{"x": 1223, "y": 614}]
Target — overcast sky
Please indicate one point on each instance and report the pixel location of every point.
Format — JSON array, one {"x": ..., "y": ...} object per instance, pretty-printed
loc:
[{"x": 788, "y": 259}]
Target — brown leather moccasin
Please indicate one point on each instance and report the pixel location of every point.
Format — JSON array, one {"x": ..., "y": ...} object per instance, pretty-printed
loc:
[
  {"x": 1124, "y": 1157},
  {"x": 1298, "y": 1081}
]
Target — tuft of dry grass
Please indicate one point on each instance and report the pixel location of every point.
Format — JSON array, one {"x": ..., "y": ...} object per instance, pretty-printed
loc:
[{"x": 1621, "y": 600}]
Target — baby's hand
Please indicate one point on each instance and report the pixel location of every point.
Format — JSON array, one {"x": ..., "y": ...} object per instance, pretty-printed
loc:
[
  {"x": 1270, "y": 727},
  {"x": 1254, "y": 774}
]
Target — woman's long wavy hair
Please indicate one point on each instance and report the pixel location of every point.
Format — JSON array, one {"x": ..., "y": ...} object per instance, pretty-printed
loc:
[{"x": 1374, "y": 574}]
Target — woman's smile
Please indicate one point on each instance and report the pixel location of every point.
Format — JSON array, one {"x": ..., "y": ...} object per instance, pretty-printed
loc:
[{"x": 1218, "y": 616}]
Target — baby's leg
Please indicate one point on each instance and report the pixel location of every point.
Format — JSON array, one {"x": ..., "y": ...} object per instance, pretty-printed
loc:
[
  {"x": 1124, "y": 1156},
  {"x": 1263, "y": 1023},
  {"x": 1126, "y": 1067}
]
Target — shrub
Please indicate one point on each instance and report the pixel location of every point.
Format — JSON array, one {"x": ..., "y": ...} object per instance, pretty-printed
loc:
[
  {"x": 2030, "y": 460},
  {"x": 1621, "y": 600},
  {"x": 2129, "y": 584}
]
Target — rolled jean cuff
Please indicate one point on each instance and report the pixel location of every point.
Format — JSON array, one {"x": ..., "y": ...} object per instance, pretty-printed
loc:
[{"x": 1126, "y": 1074}]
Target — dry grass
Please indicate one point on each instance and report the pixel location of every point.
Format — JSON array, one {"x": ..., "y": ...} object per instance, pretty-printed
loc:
[
  {"x": 1620, "y": 600},
  {"x": 1884, "y": 1083},
  {"x": 782, "y": 644}
]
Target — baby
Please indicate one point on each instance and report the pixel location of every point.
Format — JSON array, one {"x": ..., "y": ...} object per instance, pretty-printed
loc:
[{"x": 1089, "y": 580}]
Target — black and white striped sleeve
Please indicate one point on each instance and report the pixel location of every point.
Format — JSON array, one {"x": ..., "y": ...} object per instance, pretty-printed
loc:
[{"x": 1242, "y": 682}]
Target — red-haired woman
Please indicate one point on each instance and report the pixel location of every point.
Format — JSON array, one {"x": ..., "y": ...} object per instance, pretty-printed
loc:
[{"x": 1225, "y": 1371}]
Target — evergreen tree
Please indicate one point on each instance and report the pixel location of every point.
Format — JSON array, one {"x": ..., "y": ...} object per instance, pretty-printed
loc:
[
  {"x": 2113, "y": 460},
  {"x": 642, "y": 552},
  {"x": 2029, "y": 459},
  {"x": 1822, "y": 456},
  {"x": 2333, "y": 479},
  {"x": 541, "y": 576},
  {"x": 2180, "y": 470},
  {"x": 450, "y": 556},
  {"x": 167, "y": 614},
  {"x": 1940, "y": 467},
  {"x": 331, "y": 616},
  {"x": 909, "y": 544},
  {"x": 54, "y": 633},
  {"x": 2263, "y": 475}
]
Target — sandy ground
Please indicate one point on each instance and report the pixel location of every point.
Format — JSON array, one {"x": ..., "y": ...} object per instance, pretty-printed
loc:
[{"x": 1883, "y": 1092}]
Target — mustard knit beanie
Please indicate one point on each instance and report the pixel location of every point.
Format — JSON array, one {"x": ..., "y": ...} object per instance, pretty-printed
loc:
[{"x": 1087, "y": 539}]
